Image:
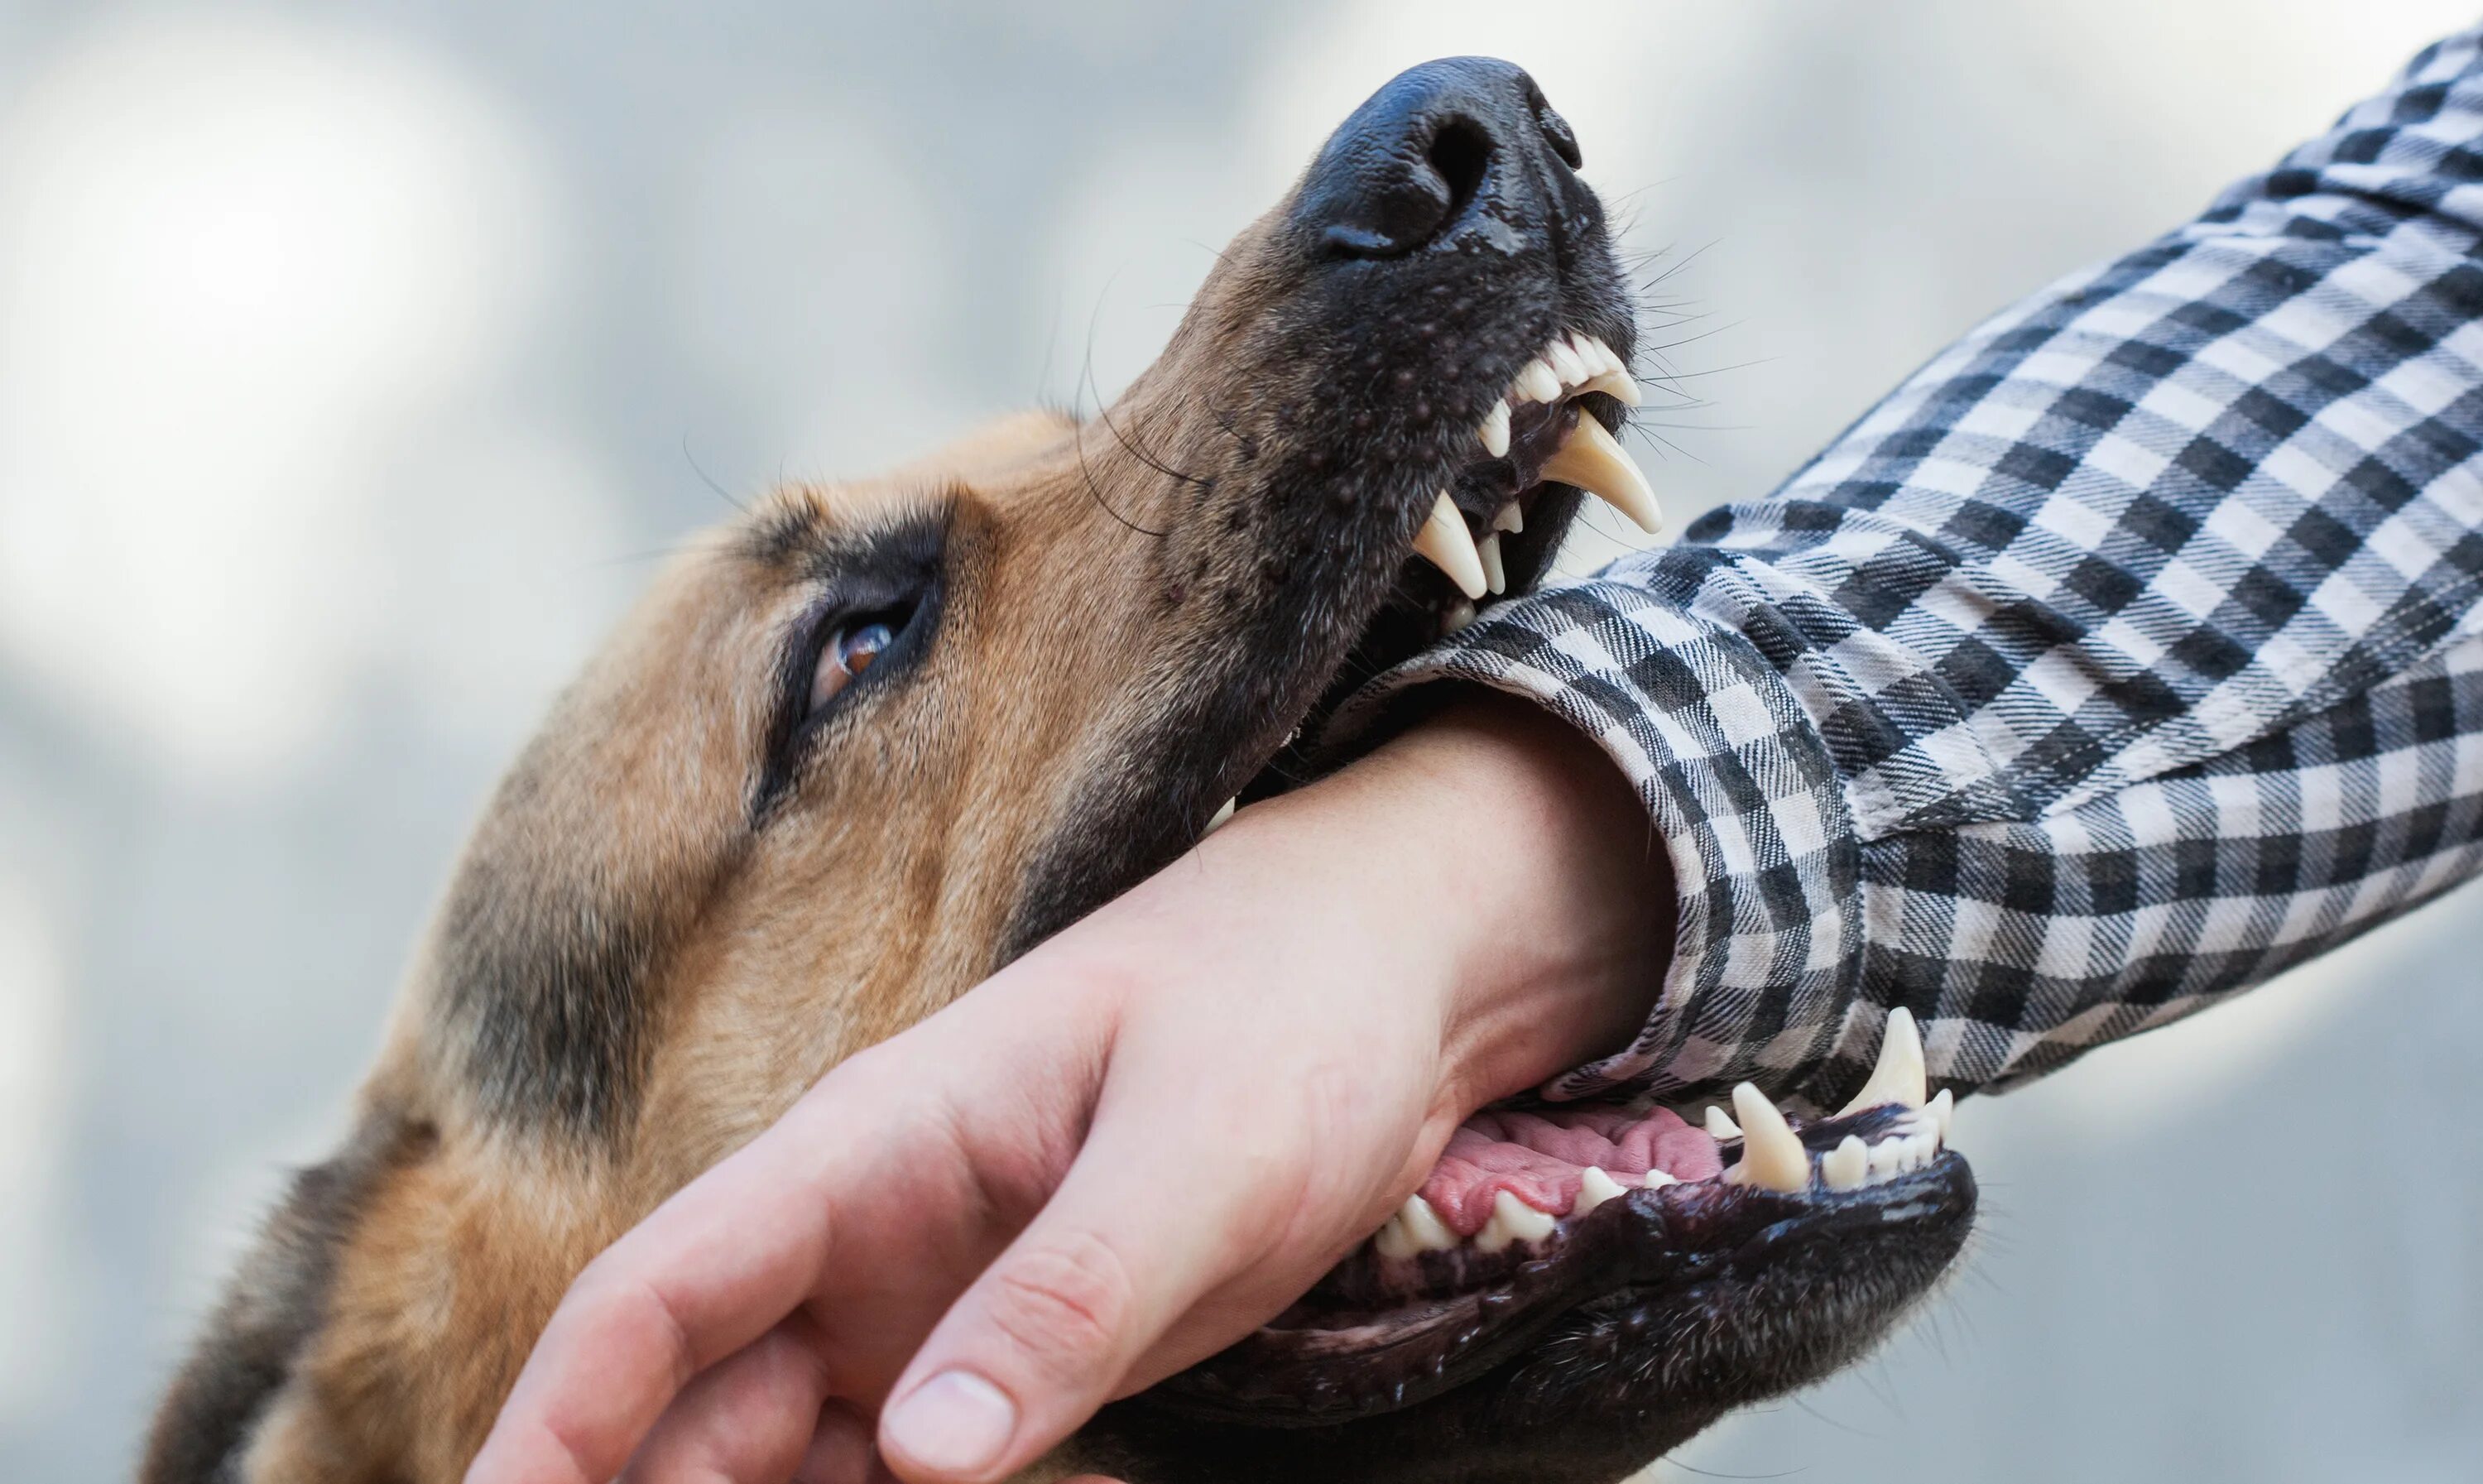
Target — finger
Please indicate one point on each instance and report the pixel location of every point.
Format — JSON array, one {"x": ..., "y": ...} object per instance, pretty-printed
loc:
[
  {"x": 715, "y": 1268},
  {"x": 1128, "y": 1244},
  {"x": 749, "y": 1418}
]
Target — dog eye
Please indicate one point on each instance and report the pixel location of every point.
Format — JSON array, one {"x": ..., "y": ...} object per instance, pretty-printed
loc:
[{"x": 847, "y": 653}]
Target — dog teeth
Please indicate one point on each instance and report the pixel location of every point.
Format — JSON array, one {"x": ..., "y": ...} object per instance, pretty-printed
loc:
[
  {"x": 1495, "y": 575},
  {"x": 1898, "y": 1077},
  {"x": 1846, "y": 1166},
  {"x": 1537, "y": 382},
  {"x": 1512, "y": 1220},
  {"x": 1460, "y": 614},
  {"x": 1594, "y": 461},
  {"x": 1565, "y": 364},
  {"x": 1595, "y": 1189},
  {"x": 1616, "y": 383},
  {"x": 1223, "y": 812},
  {"x": 1415, "y": 1228},
  {"x": 1588, "y": 457},
  {"x": 1772, "y": 1153},
  {"x": 1772, "y": 1158},
  {"x": 1448, "y": 545},
  {"x": 1495, "y": 430}
]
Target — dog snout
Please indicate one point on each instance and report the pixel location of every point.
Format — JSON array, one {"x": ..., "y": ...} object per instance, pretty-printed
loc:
[{"x": 1429, "y": 155}]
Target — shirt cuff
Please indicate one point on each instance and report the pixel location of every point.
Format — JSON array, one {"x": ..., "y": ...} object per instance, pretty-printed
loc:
[{"x": 1738, "y": 780}]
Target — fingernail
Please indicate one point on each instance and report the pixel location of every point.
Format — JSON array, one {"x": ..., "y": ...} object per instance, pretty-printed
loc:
[{"x": 956, "y": 1422}]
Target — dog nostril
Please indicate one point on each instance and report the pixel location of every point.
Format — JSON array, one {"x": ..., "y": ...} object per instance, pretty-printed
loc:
[
  {"x": 1461, "y": 152},
  {"x": 1395, "y": 209},
  {"x": 1412, "y": 167}
]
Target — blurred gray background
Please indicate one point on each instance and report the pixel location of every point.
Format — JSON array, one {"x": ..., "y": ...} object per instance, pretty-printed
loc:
[{"x": 355, "y": 362}]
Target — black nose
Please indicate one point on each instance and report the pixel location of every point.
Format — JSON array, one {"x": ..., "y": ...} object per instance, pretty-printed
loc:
[{"x": 1404, "y": 169}]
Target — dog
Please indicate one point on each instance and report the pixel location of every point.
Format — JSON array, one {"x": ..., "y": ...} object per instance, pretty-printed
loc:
[{"x": 875, "y": 739}]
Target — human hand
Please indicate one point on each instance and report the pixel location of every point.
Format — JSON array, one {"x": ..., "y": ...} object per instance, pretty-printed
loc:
[{"x": 1128, "y": 1149}]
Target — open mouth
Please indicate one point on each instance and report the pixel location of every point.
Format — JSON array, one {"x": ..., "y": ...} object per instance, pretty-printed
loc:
[{"x": 1554, "y": 1241}]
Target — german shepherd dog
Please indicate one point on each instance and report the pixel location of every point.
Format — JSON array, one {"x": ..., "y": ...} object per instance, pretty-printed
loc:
[{"x": 857, "y": 752}]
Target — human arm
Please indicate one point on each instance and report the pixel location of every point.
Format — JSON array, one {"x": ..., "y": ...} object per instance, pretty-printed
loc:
[{"x": 2121, "y": 658}]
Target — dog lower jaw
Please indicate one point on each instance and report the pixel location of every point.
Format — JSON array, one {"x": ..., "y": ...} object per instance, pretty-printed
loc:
[
  {"x": 1691, "y": 1300},
  {"x": 1604, "y": 1261},
  {"x": 1390, "y": 1328}
]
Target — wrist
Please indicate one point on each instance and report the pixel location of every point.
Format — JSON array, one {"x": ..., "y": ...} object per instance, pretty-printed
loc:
[{"x": 1524, "y": 882}]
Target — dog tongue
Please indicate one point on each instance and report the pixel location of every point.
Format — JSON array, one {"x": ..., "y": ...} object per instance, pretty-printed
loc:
[{"x": 1540, "y": 1159}]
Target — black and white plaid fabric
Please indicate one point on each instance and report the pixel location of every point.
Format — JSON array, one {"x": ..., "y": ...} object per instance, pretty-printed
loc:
[{"x": 2126, "y": 654}]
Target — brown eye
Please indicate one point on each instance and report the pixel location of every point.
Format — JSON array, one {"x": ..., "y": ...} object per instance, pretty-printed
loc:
[{"x": 847, "y": 653}]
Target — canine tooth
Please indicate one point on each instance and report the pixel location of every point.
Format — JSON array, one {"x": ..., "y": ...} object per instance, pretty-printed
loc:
[
  {"x": 1510, "y": 518},
  {"x": 1539, "y": 382},
  {"x": 1847, "y": 1165},
  {"x": 1657, "y": 1179},
  {"x": 1565, "y": 364},
  {"x": 1512, "y": 1220},
  {"x": 1447, "y": 545},
  {"x": 1943, "y": 1111},
  {"x": 1772, "y": 1153},
  {"x": 1495, "y": 575},
  {"x": 1495, "y": 429},
  {"x": 1616, "y": 383},
  {"x": 1595, "y": 462},
  {"x": 1594, "y": 1190},
  {"x": 1898, "y": 1077},
  {"x": 1424, "y": 1228},
  {"x": 1391, "y": 1240},
  {"x": 1223, "y": 812},
  {"x": 1721, "y": 1125}
]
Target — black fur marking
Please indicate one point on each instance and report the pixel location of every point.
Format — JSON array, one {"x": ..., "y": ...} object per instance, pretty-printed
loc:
[
  {"x": 545, "y": 962},
  {"x": 275, "y": 1302}
]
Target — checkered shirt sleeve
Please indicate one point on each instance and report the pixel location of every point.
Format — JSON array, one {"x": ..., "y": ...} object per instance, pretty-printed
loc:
[{"x": 2127, "y": 654}]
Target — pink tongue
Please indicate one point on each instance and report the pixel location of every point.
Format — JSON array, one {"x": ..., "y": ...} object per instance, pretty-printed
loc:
[{"x": 1540, "y": 1158}]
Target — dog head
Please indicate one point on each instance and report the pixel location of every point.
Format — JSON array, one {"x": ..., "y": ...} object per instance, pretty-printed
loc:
[{"x": 875, "y": 739}]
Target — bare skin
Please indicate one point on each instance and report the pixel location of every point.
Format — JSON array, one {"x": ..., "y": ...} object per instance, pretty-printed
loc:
[{"x": 1128, "y": 1149}]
